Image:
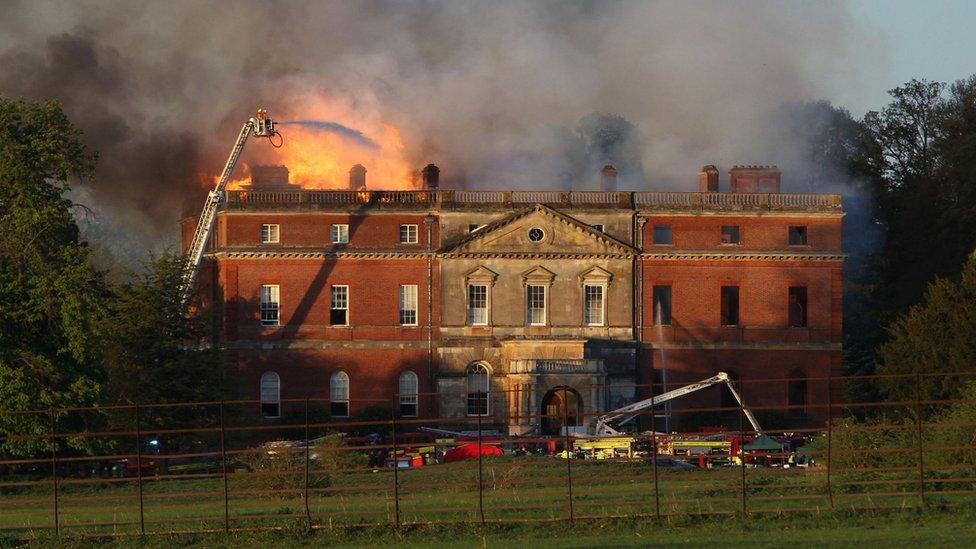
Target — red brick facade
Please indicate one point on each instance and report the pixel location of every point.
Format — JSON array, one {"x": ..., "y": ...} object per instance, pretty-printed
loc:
[{"x": 305, "y": 348}]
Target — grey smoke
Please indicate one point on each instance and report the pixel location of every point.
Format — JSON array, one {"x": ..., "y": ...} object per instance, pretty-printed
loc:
[{"x": 495, "y": 93}]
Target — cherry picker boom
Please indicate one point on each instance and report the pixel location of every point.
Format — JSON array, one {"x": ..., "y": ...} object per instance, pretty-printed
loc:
[
  {"x": 261, "y": 125},
  {"x": 626, "y": 413}
]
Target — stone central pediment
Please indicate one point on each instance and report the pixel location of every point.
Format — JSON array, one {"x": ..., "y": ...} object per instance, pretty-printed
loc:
[{"x": 539, "y": 231}]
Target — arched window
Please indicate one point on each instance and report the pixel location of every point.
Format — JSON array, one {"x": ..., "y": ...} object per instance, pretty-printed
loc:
[
  {"x": 270, "y": 395},
  {"x": 339, "y": 394},
  {"x": 479, "y": 382},
  {"x": 408, "y": 394},
  {"x": 797, "y": 393}
]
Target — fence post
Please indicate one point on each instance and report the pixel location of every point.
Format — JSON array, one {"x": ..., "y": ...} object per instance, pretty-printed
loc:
[
  {"x": 657, "y": 492},
  {"x": 569, "y": 458},
  {"x": 396, "y": 469},
  {"x": 742, "y": 454},
  {"x": 830, "y": 428},
  {"x": 481, "y": 482},
  {"x": 308, "y": 514},
  {"x": 223, "y": 466},
  {"x": 54, "y": 472},
  {"x": 918, "y": 429},
  {"x": 142, "y": 515}
]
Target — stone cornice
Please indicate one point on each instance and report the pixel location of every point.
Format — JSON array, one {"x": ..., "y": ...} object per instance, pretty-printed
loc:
[{"x": 743, "y": 256}]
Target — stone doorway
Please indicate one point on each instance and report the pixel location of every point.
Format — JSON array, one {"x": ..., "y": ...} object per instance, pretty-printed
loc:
[{"x": 558, "y": 403}]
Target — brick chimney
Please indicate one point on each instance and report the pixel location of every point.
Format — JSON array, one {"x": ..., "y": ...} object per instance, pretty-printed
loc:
[
  {"x": 708, "y": 179},
  {"x": 431, "y": 176},
  {"x": 608, "y": 178},
  {"x": 271, "y": 178},
  {"x": 357, "y": 177},
  {"x": 754, "y": 179}
]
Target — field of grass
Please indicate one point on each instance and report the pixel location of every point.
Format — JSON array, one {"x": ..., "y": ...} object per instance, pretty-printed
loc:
[{"x": 517, "y": 490}]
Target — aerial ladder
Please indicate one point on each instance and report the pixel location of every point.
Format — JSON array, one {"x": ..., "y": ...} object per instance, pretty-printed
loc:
[
  {"x": 629, "y": 412},
  {"x": 261, "y": 125}
]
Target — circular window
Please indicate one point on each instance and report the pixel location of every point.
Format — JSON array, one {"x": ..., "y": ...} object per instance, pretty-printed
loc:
[{"x": 536, "y": 234}]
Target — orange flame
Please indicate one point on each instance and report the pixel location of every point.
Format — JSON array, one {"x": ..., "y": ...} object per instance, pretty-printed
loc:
[{"x": 319, "y": 159}]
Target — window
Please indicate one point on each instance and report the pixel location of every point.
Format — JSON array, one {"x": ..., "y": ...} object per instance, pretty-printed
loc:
[
  {"x": 270, "y": 395},
  {"x": 408, "y": 234},
  {"x": 598, "y": 227},
  {"x": 797, "y": 392},
  {"x": 339, "y": 313},
  {"x": 730, "y": 305},
  {"x": 339, "y": 395},
  {"x": 536, "y": 234},
  {"x": 269, "y": 234},
  {"x": 477, "y": 305},
  {"x": 472, "y": 227},
  {"x": 535, "y": 305},
  {"x": 662, "y": 305},
  {"x": 408, "y": 305},
  {"x": 730, "y": 234},
  {"x": 798, "y": 306},
  {"x": 339, "y": 234},
  {"x": 798, "y": 235},
  {"x": 593, "y": 305},
  {"x": 662, "y": 234},
  {"x": 408, "y": 394},
  {"x": 269, "y": 305},
  {"x": 479, "y": 381}
]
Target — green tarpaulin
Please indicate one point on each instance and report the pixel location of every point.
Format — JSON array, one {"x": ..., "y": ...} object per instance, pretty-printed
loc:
[{"x": 763, "y": 442}]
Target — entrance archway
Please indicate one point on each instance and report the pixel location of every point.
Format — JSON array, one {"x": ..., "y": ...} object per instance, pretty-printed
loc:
[{"x": 558, "y": 403}]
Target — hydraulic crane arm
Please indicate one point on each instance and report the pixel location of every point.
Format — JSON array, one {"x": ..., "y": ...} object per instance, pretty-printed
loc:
[
  {"x": 630, "y": 411},
  {"x": 262, "y": 126}
]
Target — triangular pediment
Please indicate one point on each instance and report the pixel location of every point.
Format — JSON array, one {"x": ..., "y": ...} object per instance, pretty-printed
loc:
[
  {"x": 538, "y": 275},
  {"x": 596, "y": 275},
  {"x": 481, "y": 274},
  {"x": 539, "y": 230}
]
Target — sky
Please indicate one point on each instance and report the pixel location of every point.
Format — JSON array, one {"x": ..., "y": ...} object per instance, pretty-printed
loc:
[{"x": 932, "y": 39}]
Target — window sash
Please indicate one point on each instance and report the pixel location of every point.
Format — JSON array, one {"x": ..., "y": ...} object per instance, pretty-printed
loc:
[
  {"x": 730, "y": 234},
  {"x": 593, "y": 305},
  {"x": 339, "y": 233},
  {"x": 477, "y": 304},
  {"x": 798, "y": 235},
  {"x": 408, "y": 234},
  {"x": 535, "y": 305},
  {"x": 270, "y": 305},
  {"x": 662, "y": 234},
  {"x": 270, "y": 234},
  {"x": 730, "y": 306},
  {"x": 270, "y": 390},
  {"x": 661, "y": 302},
  {"x": 408, "y": 305},
  {"x": 408, "y": 394},
  {"x": 339, "y": 394},
  {"x": 797, "y": 304},
  {"x": 479, "y": 385},
  {"x": 339, "y": 305}
]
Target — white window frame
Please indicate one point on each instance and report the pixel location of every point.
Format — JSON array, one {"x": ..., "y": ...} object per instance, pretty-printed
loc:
[
  {"x": 339, "y": 392},
  {"x": 339, "y": 233},
  {"x": 270, "y": 233},
  {"x": 270, "y": 305},
  {"x": 472, "y": 395},
  {"x": 332, "y": 303},
  {"x": 270, "y": 393},
  {"x": 603, "y": 305},
  {"x": 472, "y": 321},
  {"x": 409, "y": 233},
  {"x": 529, "y": 308},
  {"x": 405, "y": 299},
  {"x": 409, "y": 387}
]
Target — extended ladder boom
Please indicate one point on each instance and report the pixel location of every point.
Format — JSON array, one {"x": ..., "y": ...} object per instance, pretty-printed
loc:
[
  {"x": 261, "y": 126},
  {"x": 631, "y": 410}
]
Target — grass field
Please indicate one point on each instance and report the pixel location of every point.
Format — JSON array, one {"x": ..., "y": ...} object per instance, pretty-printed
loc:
[{"x": 517, "y": 490}]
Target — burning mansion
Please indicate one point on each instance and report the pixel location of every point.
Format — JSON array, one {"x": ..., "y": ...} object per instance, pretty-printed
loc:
[{"x": 527, "y": 306}]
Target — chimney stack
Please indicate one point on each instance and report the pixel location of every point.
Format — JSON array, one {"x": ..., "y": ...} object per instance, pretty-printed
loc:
[
  {"x": 608, "y": 179},
  {"x": 431, "y": 176},
  {"x": 708, "y": 179},
  {"x": 754, "y": 179},
  {"x": 357, "y": 177}
]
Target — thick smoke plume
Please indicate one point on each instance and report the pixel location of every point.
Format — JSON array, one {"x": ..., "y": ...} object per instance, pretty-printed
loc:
[{"x": 497, "y": 94}]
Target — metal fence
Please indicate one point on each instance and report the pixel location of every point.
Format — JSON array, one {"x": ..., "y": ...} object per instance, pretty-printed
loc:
[{"x": 220, "y": 466}]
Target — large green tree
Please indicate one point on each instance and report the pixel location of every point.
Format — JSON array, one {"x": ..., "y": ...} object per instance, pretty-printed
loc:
[
  {"x": 51, "y": 298},
  {"x": 158, "y": 348},
  {"x": 936, "y": 336}
]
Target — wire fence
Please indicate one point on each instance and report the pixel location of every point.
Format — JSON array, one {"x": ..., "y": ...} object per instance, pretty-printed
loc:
[{"x": 221, "y": 466}]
